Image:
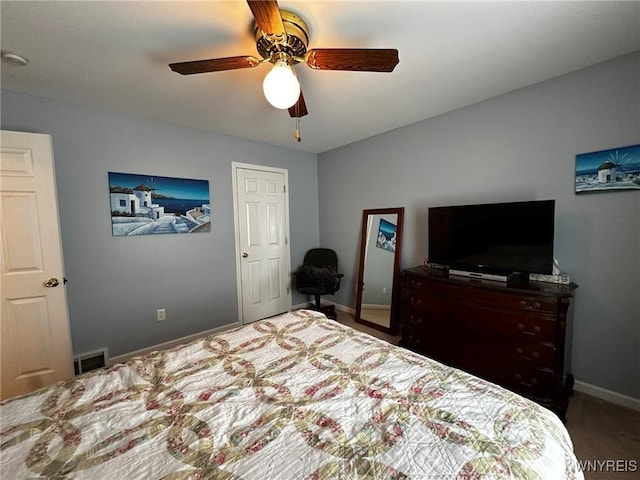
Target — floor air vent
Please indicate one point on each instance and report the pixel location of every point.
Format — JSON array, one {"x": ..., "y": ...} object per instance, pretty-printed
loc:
[{"x": 90, "y": 361}]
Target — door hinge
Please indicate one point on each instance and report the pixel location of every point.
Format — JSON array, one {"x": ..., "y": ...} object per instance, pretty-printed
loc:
[
  {"x": 286, "y": 241},
  {"x": 288, "y": 290},
  {"x": 285, "y": 188}
]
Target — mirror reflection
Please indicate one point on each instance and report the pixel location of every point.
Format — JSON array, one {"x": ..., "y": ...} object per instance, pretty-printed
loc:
[{"x": 378, "y": 275}]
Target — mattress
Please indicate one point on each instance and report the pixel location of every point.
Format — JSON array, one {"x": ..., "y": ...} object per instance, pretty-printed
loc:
[{"x": 296, "y": 396}]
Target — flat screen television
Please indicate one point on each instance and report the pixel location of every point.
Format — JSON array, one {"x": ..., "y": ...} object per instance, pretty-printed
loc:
[{"x": 502, "y": 238}]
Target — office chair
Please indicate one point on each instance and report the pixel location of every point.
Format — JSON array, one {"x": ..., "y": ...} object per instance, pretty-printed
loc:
[{"x": 319, "y": 276}]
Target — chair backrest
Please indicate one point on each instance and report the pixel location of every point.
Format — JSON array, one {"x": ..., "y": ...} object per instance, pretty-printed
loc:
[{"x": 321, "y": 257}]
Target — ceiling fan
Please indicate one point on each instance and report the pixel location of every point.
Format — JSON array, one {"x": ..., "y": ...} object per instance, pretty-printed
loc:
[{"x": 281, "y": 39}]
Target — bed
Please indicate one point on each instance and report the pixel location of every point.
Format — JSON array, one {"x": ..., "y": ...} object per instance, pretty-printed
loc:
[{"x": 296, "y": 396}]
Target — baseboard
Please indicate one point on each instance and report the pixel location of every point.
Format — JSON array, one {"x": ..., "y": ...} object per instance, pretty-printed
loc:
[
  {"x": 346, "y": 309},
  {"x": 607, "y": 395},
  {"x": 170, "y": 344}
]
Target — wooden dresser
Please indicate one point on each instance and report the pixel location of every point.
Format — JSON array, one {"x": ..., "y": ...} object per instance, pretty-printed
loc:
[{"x": 517, "y": 334}]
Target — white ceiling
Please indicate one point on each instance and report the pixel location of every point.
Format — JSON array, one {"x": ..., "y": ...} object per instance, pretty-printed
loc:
[{"x": 114, "y": 55}]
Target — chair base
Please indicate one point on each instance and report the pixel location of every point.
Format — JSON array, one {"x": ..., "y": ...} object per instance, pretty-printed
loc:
[{"x": 328, "y": 310}]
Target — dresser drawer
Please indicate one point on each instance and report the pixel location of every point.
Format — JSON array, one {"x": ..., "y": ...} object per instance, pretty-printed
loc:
[
  {"x": 449, "y": 314},
  {"x": 507, "y": 326},
  {"x": 473, "y": 347},
  {"x": 515, "y": 302},
  {"x": 537, "y": 354},
  {"x": 412, "y": 339},
  {"x": 420, "y": 307},
  {"x": 484, "y": 298},
  {"x": 528, "y": 380},
  {"x": 517, "y": 376},
  {"x": 429, "y": 342},
  {"x": 414, "y": 282}
]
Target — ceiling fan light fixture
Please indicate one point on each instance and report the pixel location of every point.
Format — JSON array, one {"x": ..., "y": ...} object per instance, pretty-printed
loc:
[{"x": 281, "y": 87}]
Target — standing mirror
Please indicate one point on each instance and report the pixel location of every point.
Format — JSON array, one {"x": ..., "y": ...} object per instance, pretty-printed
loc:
[{"x": 379, "y": 272}]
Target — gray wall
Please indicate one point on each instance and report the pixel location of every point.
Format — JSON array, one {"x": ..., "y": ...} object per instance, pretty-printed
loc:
[
  {"x": 116, "y": 284},
  {"x": 519, "y": 146}
]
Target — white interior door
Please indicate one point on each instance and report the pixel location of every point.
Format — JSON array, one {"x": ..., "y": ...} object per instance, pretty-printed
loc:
[
  {"x": 35, "y": 346},
  {"x": 262, "y": 246}
]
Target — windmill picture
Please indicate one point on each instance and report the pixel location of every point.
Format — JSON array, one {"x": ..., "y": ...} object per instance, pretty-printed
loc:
[
  {"x": 608, "y": 170},
  {"x": 150, "y": 205}
]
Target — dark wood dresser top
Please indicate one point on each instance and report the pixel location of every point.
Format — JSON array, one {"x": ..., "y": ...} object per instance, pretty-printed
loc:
[{"x": 517, "y": 284}]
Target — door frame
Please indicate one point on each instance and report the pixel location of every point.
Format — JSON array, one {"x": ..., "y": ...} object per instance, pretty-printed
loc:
[{"x": 235, "y": 166}]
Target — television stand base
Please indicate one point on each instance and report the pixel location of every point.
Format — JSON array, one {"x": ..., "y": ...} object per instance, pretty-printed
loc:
[{"x": 496, "y": 277}]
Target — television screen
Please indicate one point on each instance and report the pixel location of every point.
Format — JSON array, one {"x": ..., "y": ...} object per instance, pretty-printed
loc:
[{"x": 493, "y": 237}]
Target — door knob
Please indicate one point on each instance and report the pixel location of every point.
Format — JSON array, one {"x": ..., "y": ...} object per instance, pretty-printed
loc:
[
  {"x": 245, "y": 255},
  {"x": 52, "y": 282}
]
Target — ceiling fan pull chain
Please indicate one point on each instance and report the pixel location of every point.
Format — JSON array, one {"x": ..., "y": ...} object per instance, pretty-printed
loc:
[{"x": 297, "y": 133}]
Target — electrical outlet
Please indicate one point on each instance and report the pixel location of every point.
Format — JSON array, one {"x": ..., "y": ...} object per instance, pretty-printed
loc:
[
  {"x": 384, "y": 289},
  {"x": 161, "y": 314}
]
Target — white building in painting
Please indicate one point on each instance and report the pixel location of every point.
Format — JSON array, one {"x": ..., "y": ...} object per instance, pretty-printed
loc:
[
  {"x": 139, "y": 202},
  {"x": 125, "y": 203},
  {"x": 607, "y": 172}
]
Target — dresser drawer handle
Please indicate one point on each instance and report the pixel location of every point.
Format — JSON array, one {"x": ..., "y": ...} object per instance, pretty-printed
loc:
[
  {"x": 534, "y": 355},
  {"x": 521, "y": 329},
  {"x": 415, "y": 301},
  {"x": 415, "y": 321},
  {"x": 532, "y": 383},
  {"x": 529, "y": 306},
  {"x": 416, "y": 283},
  {"x": 414, "y": 340}
]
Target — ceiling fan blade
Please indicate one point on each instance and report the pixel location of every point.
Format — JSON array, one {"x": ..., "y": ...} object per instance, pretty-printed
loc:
[
  {"x": 214, "y": 65},
  {"x": 268, "y": 18},
  {"x": 299, "y": 109},
  {"x": 352, "y": 59}
]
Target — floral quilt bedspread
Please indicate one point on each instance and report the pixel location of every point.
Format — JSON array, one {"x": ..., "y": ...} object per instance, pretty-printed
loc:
[{"x": 292, "y": 397}]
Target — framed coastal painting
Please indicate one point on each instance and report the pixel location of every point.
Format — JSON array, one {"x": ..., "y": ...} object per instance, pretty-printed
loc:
[
  {"x": 152, "y": 205},
  {"x": 386, "y": 236},
  {"x": 617, "y": 169}
]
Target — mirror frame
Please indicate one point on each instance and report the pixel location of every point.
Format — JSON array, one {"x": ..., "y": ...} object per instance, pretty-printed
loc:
[{"x": 393, "y": 326}]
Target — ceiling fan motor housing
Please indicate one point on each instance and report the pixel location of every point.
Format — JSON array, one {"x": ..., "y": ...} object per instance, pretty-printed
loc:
[{"x": 294, "y": 45}]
